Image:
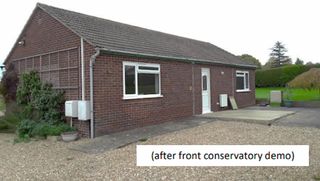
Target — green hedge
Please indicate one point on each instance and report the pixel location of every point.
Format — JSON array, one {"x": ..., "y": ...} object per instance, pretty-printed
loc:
[{"x": 279, "y": 77}]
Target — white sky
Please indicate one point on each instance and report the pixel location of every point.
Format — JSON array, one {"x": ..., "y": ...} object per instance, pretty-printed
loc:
[{"x": 238, "y": 26}]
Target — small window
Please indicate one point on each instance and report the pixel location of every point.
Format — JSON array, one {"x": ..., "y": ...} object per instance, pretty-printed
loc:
[
  {"x": 141, "y": 80},
  {"x": 242, "y": 81},
  {"x": 130, "y": 79},
  {"x": 204, "y": 83},
  {"x": 148, "y": 68}
]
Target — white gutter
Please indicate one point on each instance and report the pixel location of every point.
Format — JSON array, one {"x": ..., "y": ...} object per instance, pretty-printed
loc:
[
  {"x": 92, "y": 61},
  {"x": 82, "y": 72}
]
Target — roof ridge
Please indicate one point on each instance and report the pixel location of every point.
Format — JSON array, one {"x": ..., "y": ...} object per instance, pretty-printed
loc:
[{"x": 41, "y": 5}]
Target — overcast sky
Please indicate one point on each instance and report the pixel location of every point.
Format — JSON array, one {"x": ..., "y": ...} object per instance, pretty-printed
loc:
[{"x": 238, "y": 26}]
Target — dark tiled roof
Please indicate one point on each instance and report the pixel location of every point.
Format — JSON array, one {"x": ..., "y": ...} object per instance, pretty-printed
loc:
[{"x": 126, "y": 38}]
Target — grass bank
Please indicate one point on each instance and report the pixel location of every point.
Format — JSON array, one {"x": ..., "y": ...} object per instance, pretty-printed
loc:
[
  {"x": 297, "y": 94},
  {"x": 2, "y": 104}
]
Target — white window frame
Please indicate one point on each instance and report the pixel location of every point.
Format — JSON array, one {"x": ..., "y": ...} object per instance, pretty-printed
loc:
[
  {"x": 137, "y": 70},
  {"x": 246, "y": 87}
]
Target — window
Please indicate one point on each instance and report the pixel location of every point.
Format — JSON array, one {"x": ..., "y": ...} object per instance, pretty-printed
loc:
[
  {"x": 242, "y": 81},
  {"x": 204, "y": 82},
  {"x": 141, "y": 80}
]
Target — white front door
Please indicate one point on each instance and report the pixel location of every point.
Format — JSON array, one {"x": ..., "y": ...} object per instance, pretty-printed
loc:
[{"x": 206, "y": 96}]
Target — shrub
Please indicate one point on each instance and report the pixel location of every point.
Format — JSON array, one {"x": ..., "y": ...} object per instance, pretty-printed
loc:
[
  {"x": 28, "y": 129},
  {"x": 49, "y": 104},
  {"x": 46, "y": 129},
  {"x": 39, "y": 100},
  {"x": 25, "y": 128},
  {"x": 9, "y": 82},
  {"x": 41, "y": 108},
  {"x": 29, "y": 88},
  {"x": 2, "y": 103},
  {"x": 9, "y": 122},
  {"x": 3, "y": 125},
  {"x": 12, "y": 117},
  {"x": 307, "y": 80},
  {"x": 278, "y": 77}
]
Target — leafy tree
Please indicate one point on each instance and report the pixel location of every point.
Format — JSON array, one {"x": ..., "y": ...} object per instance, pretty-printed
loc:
[
  {"x": 288, "y": 62},
  {"x": 278, "y": 53},
  {"x": 269, "y": 63},
  {"x": 309, "y": 63},
  {"x": 299, "y": 62},
  {"x": 250, "y": 59}
]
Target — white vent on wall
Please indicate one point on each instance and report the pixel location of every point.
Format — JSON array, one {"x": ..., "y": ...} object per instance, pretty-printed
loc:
[{"x": 223, "y": 99}]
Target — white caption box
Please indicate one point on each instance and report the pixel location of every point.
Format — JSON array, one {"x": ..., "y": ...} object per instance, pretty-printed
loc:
[{"x": 222, "y": 155}]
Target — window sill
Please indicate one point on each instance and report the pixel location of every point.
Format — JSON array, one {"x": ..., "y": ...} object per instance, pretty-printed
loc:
[
  {"x": 141, "y": 97},
  {"x": 246, "y": 90}
]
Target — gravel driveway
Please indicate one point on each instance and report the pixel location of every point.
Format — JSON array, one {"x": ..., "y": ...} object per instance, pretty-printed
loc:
[{"x": 50, "y": 160}]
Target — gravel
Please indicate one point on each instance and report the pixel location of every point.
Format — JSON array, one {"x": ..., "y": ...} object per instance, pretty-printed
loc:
[{"x": 52, "y": 160}]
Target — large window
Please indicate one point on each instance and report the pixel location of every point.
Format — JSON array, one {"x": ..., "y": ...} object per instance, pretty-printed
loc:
[
  {"x": 141, "y": 80},
  {"x": 242, "y": 81}
]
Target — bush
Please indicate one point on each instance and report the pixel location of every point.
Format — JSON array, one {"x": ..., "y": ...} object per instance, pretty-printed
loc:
[
  {"x": 46, "y": 129},
  {"x": 278, "y": 77},
  {"x": 25, "y": 128},
  {"x": 307, "y": 80},
  {"x": 29, "y": 88},
  {"x": 9, "y": 122},
  {"x": 41, "y": 108},
  {"x": 3, "y": 125},
  {"x": 39, "y": 101},
  {"x": 11, "y": 118},
  {"x": 9, "y": 82},
  {"x": 29, "y": 128}
]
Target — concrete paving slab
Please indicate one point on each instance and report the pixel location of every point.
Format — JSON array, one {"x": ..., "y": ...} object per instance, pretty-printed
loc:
[
  {"x": 120, "y": 139},
  {"x": 248, "y": 115},
  {"x": 303, "y": 117},
  {"x": 279, "y": 116}
]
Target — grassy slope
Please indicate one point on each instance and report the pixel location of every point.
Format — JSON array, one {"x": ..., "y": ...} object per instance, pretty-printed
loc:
[
  {"x": 297, "y": 94},
  {"x": 2, "y": 105}
]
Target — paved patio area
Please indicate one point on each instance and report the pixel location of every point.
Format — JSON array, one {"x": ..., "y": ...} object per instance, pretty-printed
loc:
[
  {"x": 303, "y": 117},
  {"x": 249, "y": 115},
  {"x": 120, "y": 139}
]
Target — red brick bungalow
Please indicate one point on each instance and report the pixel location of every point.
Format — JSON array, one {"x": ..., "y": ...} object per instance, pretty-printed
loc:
[{"x": 131, "y": 76}]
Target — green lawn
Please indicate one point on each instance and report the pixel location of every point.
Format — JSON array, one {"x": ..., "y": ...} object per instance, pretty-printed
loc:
[{"x": 297, "y": 94}]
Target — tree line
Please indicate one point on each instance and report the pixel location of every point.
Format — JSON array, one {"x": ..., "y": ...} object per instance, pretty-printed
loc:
[{"x": 278, "y": 58}]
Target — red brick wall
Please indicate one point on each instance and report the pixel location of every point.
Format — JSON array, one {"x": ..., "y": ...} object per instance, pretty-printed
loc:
[
  {"x": 43, "y": 34},
  {"x": 247, "y": 98},
  {"x": 222, "y": 81},
  {"x": 113, "y": 113}
]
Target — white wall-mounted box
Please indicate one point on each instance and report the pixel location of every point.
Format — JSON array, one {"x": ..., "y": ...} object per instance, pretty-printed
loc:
[
  {"x": 223, "y": 99},
  {"x": 275, "y": 96},
  {"x": 71, "y": 108},
  {"x": 83, "y": 110}
]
